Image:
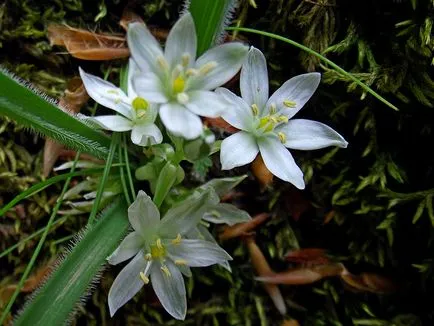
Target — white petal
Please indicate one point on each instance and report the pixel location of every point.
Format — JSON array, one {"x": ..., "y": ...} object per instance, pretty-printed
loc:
[
  {"x": 170, "y": 289},
  {"x": 298, "y": 89},
  {"x": 184, "y": 216},
  {"x": 308, "y": 135},
  {"x": 180, "y": 121},
  {"x": 127, "y": 283},
  {"x": 144, "y": 215},
  {"x": 280, "y": 162},
  {"x": 148, "y": 85},
  {"x": 106, "y": 93},
  {"x": 130, "y": 246},
  {"x": 133, "y": 70},
  {"x": 205, "y": 103},
  {"x": 146, "y": 134},
  {"x": 237, "y": 150},
  {"x": 238, "y": 113},
  {"x": 144, "y": 48},
  {"x": 181, "y": 40},
  {"x": 198, "y": 253},
  {"x": 254, "y": 79},
  {"x": 111, "y": 122},
  {"x": 229, "y": 57}
]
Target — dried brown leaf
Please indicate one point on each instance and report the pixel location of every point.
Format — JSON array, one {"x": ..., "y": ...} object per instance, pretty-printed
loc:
[
  {"x": 315, "y": 256},
  {"x": 83, "y": 44},
  {"x": 260, "y": 171},
  {"x": 242, "y": 229}
]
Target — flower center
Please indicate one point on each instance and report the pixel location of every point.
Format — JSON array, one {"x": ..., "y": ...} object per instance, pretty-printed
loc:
[
  {"x": 178, "y": 85},
  {"x": 140, "y": 105},
  {"x": 268, "y": 123},
  {"x": 158, "y": 250}
]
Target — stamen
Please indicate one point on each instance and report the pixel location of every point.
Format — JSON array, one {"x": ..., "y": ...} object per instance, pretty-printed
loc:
[
  {"x": 180, "y": 262},
  {"x": 185, "y": 59},
  {"x": 289, "y": 104},
  {"x": 166, "y": 271},
  {"x": 273, "y": 108},
  {"x": 255, "y": 109},
  {"x": 192, "y": 72},
  {"x": 206, "y": 68},
  {"x": 162, "y": 63},
  {"x": 113, "y": 91},
  {"x": 158, "y": 244},
  {"x": 282, "y": 137},
  {"x": 178, "y": 239},
  {"x": 182, "y": 98},
  {"x": 177, "y": 71},
  {"x": 283, "y": 118},
  {"x": 178, "y": 85},
  {"x": 144, "y": 278},
  {"x": 148, "y": 257}
]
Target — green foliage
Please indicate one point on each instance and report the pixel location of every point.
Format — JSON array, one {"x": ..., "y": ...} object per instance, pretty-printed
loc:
[{"x": 56, "y": 299}]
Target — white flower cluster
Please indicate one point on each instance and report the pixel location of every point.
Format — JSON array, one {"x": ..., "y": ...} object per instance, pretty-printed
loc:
[{"x": 176, "y": 87}]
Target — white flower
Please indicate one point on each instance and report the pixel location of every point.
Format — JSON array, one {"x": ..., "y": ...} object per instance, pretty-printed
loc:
[
  {"x": 161, "y": 253},
  {"x": 264, "y": 122},
  {"x": 177, "y": 80},
  {"x": 136, "y": 113}
]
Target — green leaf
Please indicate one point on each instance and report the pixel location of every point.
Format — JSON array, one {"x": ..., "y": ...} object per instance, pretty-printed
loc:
[
  {"x": 223, "y": 185},
  {"x": 31, "y": 110},
  {"x": 210, "y": 17},
  {"x": 54, "y": 303}
]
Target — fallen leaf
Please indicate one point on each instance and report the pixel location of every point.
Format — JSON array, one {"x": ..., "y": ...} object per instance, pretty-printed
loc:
[
  {"x": 262, "y": 268},
  {"x": 315, "y": 256},
  {"x": 220, "y": 123},
  {"x": 290, "y": 322},
  {"x": 301, "y": 276},
  {"x": 29, "y": 285},
  {"x": 264, "y": 176},
  {"x": 83, "y": 44},
  {"x": 296, "y": 203},
  {"x": 329, "y": 216},
  {"x": 242, "y": 229},
  {"x": 377, "y": 283}
]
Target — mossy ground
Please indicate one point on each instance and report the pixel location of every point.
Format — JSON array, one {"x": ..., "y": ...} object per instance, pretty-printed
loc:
[{"x": 379, "y": 189}]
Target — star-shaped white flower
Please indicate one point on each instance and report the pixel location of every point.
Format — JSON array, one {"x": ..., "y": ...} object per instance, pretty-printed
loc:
[
  {"x": 177, "y": 80},
  {"x": 264, "y": 122},
  {"x": 136, "y": 113},
  {"x": 162, "y": 253}
]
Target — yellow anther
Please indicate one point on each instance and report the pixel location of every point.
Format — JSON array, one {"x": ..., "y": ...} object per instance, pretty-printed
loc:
[
  {"x": 192, "y": 72},
  {"x": 139, "y": 103},
  {"x": 158, "y": 244},
  {"x": 144, "y": 278},
  {"x": 177, "y": 240},
  {"x": 185, "y": 59},
  {"x": 282, "y": 137},
  {"x": 255, "y": 109},
  {"x": 178, "y": 85},
  {"x": 166, "y": 271},
  {"x": 113, "y": 91},
  {"x": 206, "y": 68},
  {"x": 283, "y": 118},
  {"x": 289, "y": 104},
  {"x": 148, "y": 257},
  {"x": 273, "y": 108},
  {"x": 180, "y": 262},
  {"x": 162, "y": 63}
]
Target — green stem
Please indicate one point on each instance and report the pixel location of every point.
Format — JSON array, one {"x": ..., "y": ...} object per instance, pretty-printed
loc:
[
  {"x": 39, "y": 246},
  {"x": 104, "y": 177},
  {"x": 319, "y": 56},
  {"x": 30, "y": 237},
  {"x": 123, "y": 181},
  {"x": 127, "y": 165}
]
